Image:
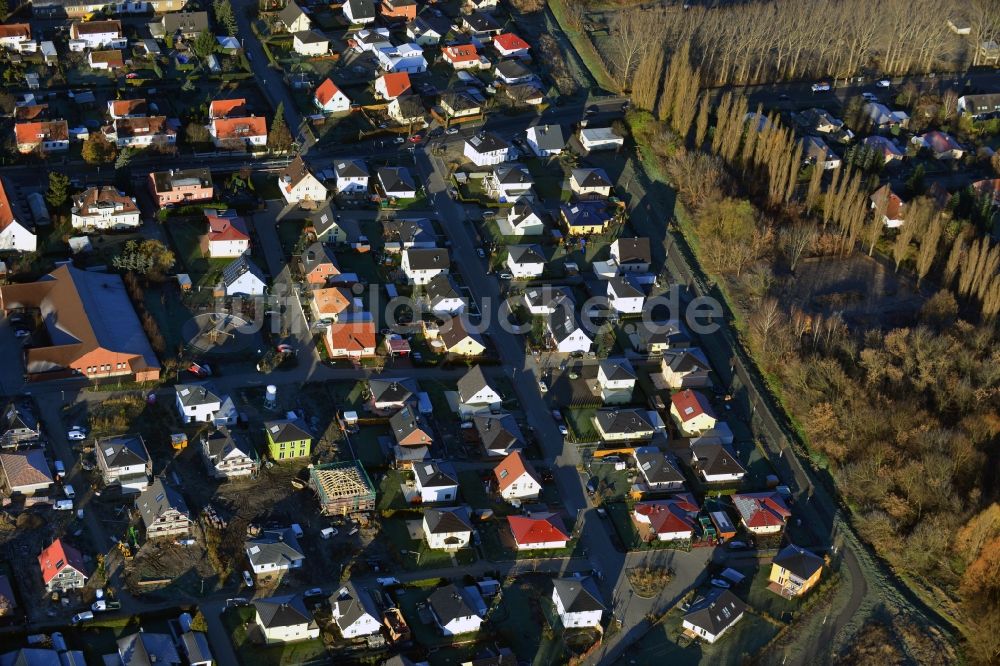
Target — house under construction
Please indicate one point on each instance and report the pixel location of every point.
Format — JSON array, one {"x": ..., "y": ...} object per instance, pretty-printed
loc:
[{"x": 342, "y": 488}]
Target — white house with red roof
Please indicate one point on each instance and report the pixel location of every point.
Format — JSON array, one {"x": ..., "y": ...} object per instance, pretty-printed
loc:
[
  {"x": 392, "y": 84},
  {"x": 16, "y": 233},
  {"x": 538, "y": 531},
  {"x": 516, "y": 478},
  {"x": 943, "y": 146},
  {"x": 509, "y": 45},
  {"x": 666, "y": 520},
  {"x": 692, "y": 412},
  {"x": 330, "y": 98},
  {"x": 461, "y": 56},
  {"x": 227, "y": 236},
  {"x": 762, "y": 513},
  {"x": 62, "y": 567}
]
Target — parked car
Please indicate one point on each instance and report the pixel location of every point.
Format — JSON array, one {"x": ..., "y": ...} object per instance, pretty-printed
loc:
[
  {"x": 104, "y": 605},
  {"x": 592, "y": 485},
  {"x": 76, "y": 435},
  {"x": 313, "y": 592},
  {"x": 247, "y": 578},
  {"x": 563, "y": 430},
  {"x": 80, "y": 617},
  {"x": 821, "y": 86},
  {"x": 883, "y": 83},
  {"x": 543, "y": 387},
  {"x": 718, "y": 582},
  {"x": 399, "y": 140},
  {"x": 416, "y": 138},
  {"x": 451, "y": 130},
  {"x": 481, "y": 253},
  {"x": 60, "y": 469},
  {"x": 869, "y": 97}
]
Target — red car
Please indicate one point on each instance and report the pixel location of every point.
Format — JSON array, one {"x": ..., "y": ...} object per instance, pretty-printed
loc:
[{"x": 416, "y": 138}]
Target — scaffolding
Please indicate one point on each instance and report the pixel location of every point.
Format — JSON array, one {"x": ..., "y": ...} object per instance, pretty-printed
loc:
[{"x": 342, "y": 488}]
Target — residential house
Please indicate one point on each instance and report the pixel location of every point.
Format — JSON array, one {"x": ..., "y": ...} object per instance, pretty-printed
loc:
[
  {"x": 460, "y": 341},
  {"x": 407, "y": 110},
  {"x": 355, "y": 612},
  {"x": 274, "y": 550},
  {"x": 590, "y": 183},
  {"x": 409, "y": 234},
  {"x": 370, "y": 40},
  {"x": 421, "y": 265},
  {"x": 410, "y": 428},
  {"x": 888, "y": 204},
  {"x": 227, "y": 236},
  {"x": 97, "y": 35},
  {"x": 447, "y": 528},
  {"x": 185, "y": 24},
  {"x": 716, "y": 463},
  {"x": 62, "y": 567},
  {"x": 461, "y": 56},
  {"x": 310, "y": 43},
  {"x": 884, "y": 145},
  {"x": 181, "y": 186},
  {"x": 351, "y": 339},
  {"x": 498, "y": 433},
  {"x": 408, "y": 58},
  {"x": 513, "y": 72},
  {"x": 508, "y": 182},
  {"x": 509, "y": 45},
  {"x": 436, "y": 482},
  {"x": 443, "y": 296},
  {"x": 328, "y": 227},
  {"x": 140, "y": 132},
  {"x": 287, "y": 438},
  {"x": 238, "y": 133},
  {"x": 815, "y": 151},
  {"x": 342, "y": 488},
  {"x": 600, "y": 138},
  {"x": 481, "y": 25},
  {"x": 546, "y": 300},
  {"x": 521, "y": 220},
  {"x": 104, "y": 208},
  {"x": 398, "y": 10},
  {"x": 108, "y": 60},
  {"x": 25, "y": 472},
  {"x": 481, "y": 5},
  {"x": 460, "y": 104},
  {"x": 578, "y": 602},
  {"x": 584, "y": 218},
  {"x": 692, "y": 412},
  {"x": 622, "y": 425},
  {"x": 285, "y": 619},
  {"x": 625, "y": 296},
  {"x": 298, "y": 184},
  {"x": 631, "y": 255},
  {"x": 396, "y": 182},
  {"x": 124, "y": 460},
  {"x": 658, "y": 469},
  {"x": 351, "y": 177},
  {"x": 545, "y": 140},
  {"x": 525, "y": 261},
  {"x": 327, "y": 303},
  {"x": 616, "y": 380},
  {"x": 762, "y": 513},
  {"x": 880, "y": 117},
  {"x": 47, "y": 136},
  {"x": 941, "y": 145},
  {"x": 566, "y": 334},
  {"x": 194, "y": 646},
  {"x": 228, "y": 455},
  {"x": 18, "y": 425},
  {"x": 198, "y": 403},
  {"x": 359, "y": 11},
  {"x": 453, "y": 612},
  {"x": 516, "y": 479},
  {"x": 822, "y": 121},
  {"x": 475, "y": 393},
  {"x": 145, "y": 647},
  {"x": 14, "y": 36},
  {"x": 330, "y": 99},
  {"x": 666, "y": 520},
  {"x": 541, "y": 530},
  {"x": 709, "y": 617},
  {"x": 318, "y": 264},
  {"x": 487, "y": 149},
  {"x": 794, "y": 571},
  {"x": 393, "y": 84},
  {"x": 164, "y": 512},
  {"x": 987, "y": 188},
  {"x": 293, "y": 18},
  {"x": 979, "y": 107},
  {"x": 391, "y": 395},
  {"x": 92, "y": 326},
  {"x": 242, "y": 277},
  {"x": 685, "y": 369}
]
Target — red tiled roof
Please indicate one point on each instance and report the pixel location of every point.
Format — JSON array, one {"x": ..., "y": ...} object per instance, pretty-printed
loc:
[
  {"x": 226, "y": 228},
  {"x": 762, "y": 509},
  {"x": 537, "y": 530},
  {"x": 464, "y": 53},
  {"x": 668, "y": 515},
  {"x": 6, "y": 212},
  {"x": 240, "y": 128},
  {"x": 514, "y": 465},
  {"x": 128, "y": 107},
  {"x": 508, "y": 41},
  {"x": 396, "y": 83},
  {"x": 326, "y": 91},
  {"x": 224, "y": 108},
  {"x": 352, "y": 336},
  {"x": 690, "y": 404},
  {"x": 22, "y": 30},
  {"x": 51, "y": 130},
  {"x": 49, "y": 560}
]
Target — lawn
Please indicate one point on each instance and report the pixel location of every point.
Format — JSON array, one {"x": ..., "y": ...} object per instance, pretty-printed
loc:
[
  {"x": 290, "y": 237},
  {"x": 390, "y": 494},
  {"x": 621, "y": 519},
  {"x": 493, "y": 545},
  {"x": 394, "y": 530},
  {"x": 266, "y": 185},
  {"x": 521, "y": 618},
  {"x": 185, "y": 234},
  {"x": 366, "y": 446},
  {"x": 362, "y": 263},
  {"x": 580, "y": 422},
  {"x": 250, "y": 654},
  {"x": 425, "y": 634},
  {"x": 762, "y": 600}
]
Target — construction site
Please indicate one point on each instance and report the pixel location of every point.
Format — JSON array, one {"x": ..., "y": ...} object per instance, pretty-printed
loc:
[{"x": 342, "y": 488}]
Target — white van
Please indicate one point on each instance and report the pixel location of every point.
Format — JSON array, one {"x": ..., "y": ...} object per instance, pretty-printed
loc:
[
  {"x": 80, "y": 617},
  {"x": 64, "y": 505}
]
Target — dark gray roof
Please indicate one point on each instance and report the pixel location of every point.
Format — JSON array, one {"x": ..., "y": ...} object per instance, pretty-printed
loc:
[
  {"x": 512, "y": 174},
  {"x": 15, "y": 417},
  {"x": 221, "y": 442},
  {"x": 394, "y": 179},
  {"x": 145, "y": 648},
  {"x": 578, "y": 595},
  {"x": 633, "y": 250},
  {"x": 409, "y": 106},
  {"x": 238, "y": 267},
  {"x": 317, "y": 254},
  {"x": 353, "y": 604},
  {"x": 283, "y": 611},
  {"x": 656, "y": 466},
  {"x": 406, "y": 421},
  {"x": 123, "y": 451},
  {"x": 549, "y": 137},
  {"x": 799, "y": 561},
  {"x": 672, "y": 333},
  {"x": 460, "y": 101},
  {"x": 287, "y": 430},
  {"x": 187, "y": 23},
  {"x": 549, "y": 296},
  {"x": 480, "y": 22},
  {"x": 449, "y": 603},
  {"x": 290, "y": 14},
  {"x": 325, "y": 219},
  {"x": 593, "y": 177},
  {"x": 585, "y": 213},
  {"x": 512, "y": 69},
  {"x": 499, "y": 432},
  {"x": 410, "y": 230},
  {"x": 624, "y": 287},
  {"x": 428, "y": 258},
  {"x": 624, "y": 421},
  {"x": 166, "y": 181},
  {"x": 686, "y": 360},
  {"x": 392, "y": 390},
  {"x": 157, "y": 499},
  {"x": 435, "y": 474},
  {"x": 618, "y": 369},
  {"x": 195, "y": 646},
  {"x": 447, "y": 520},
  {"x": 719, "y": 609},
  {"x": 440, "y": 287},
  {"x": 277, "y": 547},
  {"x": 311, "y": 36},
  {"x": 526, "y": 254},
  {"x": 471, "y": 383},
  {"x": 196, "y": 394},
  {"x": 715, "y": 459},
  {"x": 454, "y": 331},
  {"x": 361, "y": 9},
  {"x": 350, "y": 169},
  {"x": 399, "y": 660},
  {"x": 521, "y": 210},
  {"x": 563, "y": 323},
  {"x": 487, "y": 142}
]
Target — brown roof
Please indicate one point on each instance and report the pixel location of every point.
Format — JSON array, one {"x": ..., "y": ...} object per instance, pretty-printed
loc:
[
  {"x": 295, "y": 172},
  {"x": 453, "y": 332},
  {"x": 96, "y": 27},
  {"x": 25, "y": 468},
  {"x": 129, "y": 107},
  {"x": 224, "y": 108},
  {"x": 50, "y": 130},
  {"x": 22, "y": 30},
  {"x": 30, "y": 112},
  {"x": 112, "y": 57},
  {"x": 88, "y": 201},
  {"x": 125, "y": 127}
]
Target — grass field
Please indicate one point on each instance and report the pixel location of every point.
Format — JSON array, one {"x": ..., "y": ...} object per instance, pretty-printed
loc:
[
  {"x": 738, "y": 645},
  {"x": 250, "y": 654},
  {"x": 580, "y": 422}
]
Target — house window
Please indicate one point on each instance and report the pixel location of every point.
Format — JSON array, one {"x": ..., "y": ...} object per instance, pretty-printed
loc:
[{"x": 281, "y": 456}]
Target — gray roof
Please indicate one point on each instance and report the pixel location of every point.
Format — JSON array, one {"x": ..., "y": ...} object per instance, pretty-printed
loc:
[
  {"x": 42, "y": 656},
  {"x": 686, "y": 360},
  {"x": 395, "y": 179},
  {"x": 145, "y": 649},
  {"x": 548, "y": 137},
  {"x": 187, "y": 23},
  {"x": 673, "y": 333},
  {"x": 238, "y": 267},
  {"x": 195, "y": 646},
  {"x": 284, "y": 611},
  {"x": 406, "y": 421},
  {"x": 585, "y": 213},
  {"x": 520, "y": 211},
  {"x": 481, "y": 22},
  {"x": 435, "y": 474},
  {"x": 325, "y": 219},
  {"x": 15, "y": 417},
  {"x": 633, "y": 250},
  {"x": 166, "y": 181},
  {"x": 350, "y": 169},
  {"x": 460, "y": 101},
  {"x": 278, "y": 547},
  {"x": 157, "y": 499},
  {"x": 361, "y": 8},
  {"x": 526, "y": 254},
  {"x": 448, "y": 520},
  {"x": 353, "y": 604},
  {"x": 290, "y": 13},
  {"x": 410, "y": 230},
  {"x": 592, "y": 177},
  {"x": 623, "y": 421},
  {"x": 311, "y": 36},
  {"x": 221, "y": 442},
  {"x": 409, "y": 106},
  {"x": 656, "y": 466},
  {"x": 123, "y": 451},
  {"x": 454, "y": 331},
  {"x": 499, "y": 431},
  {"x": 317, "y": 254},
  {"x": 578, "y": 595},
  {"x": 440, "y": 287},
  {"x": 449, "y": 603},
  {"x": 618, "y": 369},
  {"x": 719, "y": 609},
  {"x": 471, "y": 383},
  {"x": 714, "y": 459},
  {"x": 563, "y": 323},
  {"x": 549, "y": 296},
  {"x": 512, "y": 174},
  {"x": 287, "y": 430},
  {"x": 487, "y": 142},
  {"x": 196, "y": 394},
  {"x": 798, "y": 560},
  {"x": 624, "y": 287},
  {"x": 428, "y": 258},
  {"x": 392, "y": 390}
]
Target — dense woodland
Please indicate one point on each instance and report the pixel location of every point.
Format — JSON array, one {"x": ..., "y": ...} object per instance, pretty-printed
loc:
[{"x": 907, "y": 416}]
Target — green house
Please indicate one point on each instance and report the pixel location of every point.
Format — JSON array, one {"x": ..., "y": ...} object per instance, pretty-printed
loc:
[{"x": 286, "y": 439}]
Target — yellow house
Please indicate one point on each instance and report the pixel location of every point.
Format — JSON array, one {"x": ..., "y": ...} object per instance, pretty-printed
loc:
[
  {"x": 459, "y": 341},
  {"x": 584, "y": 218},
  {"x": 794, "y": 571},
  {"x": 287, "y": 439}
]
